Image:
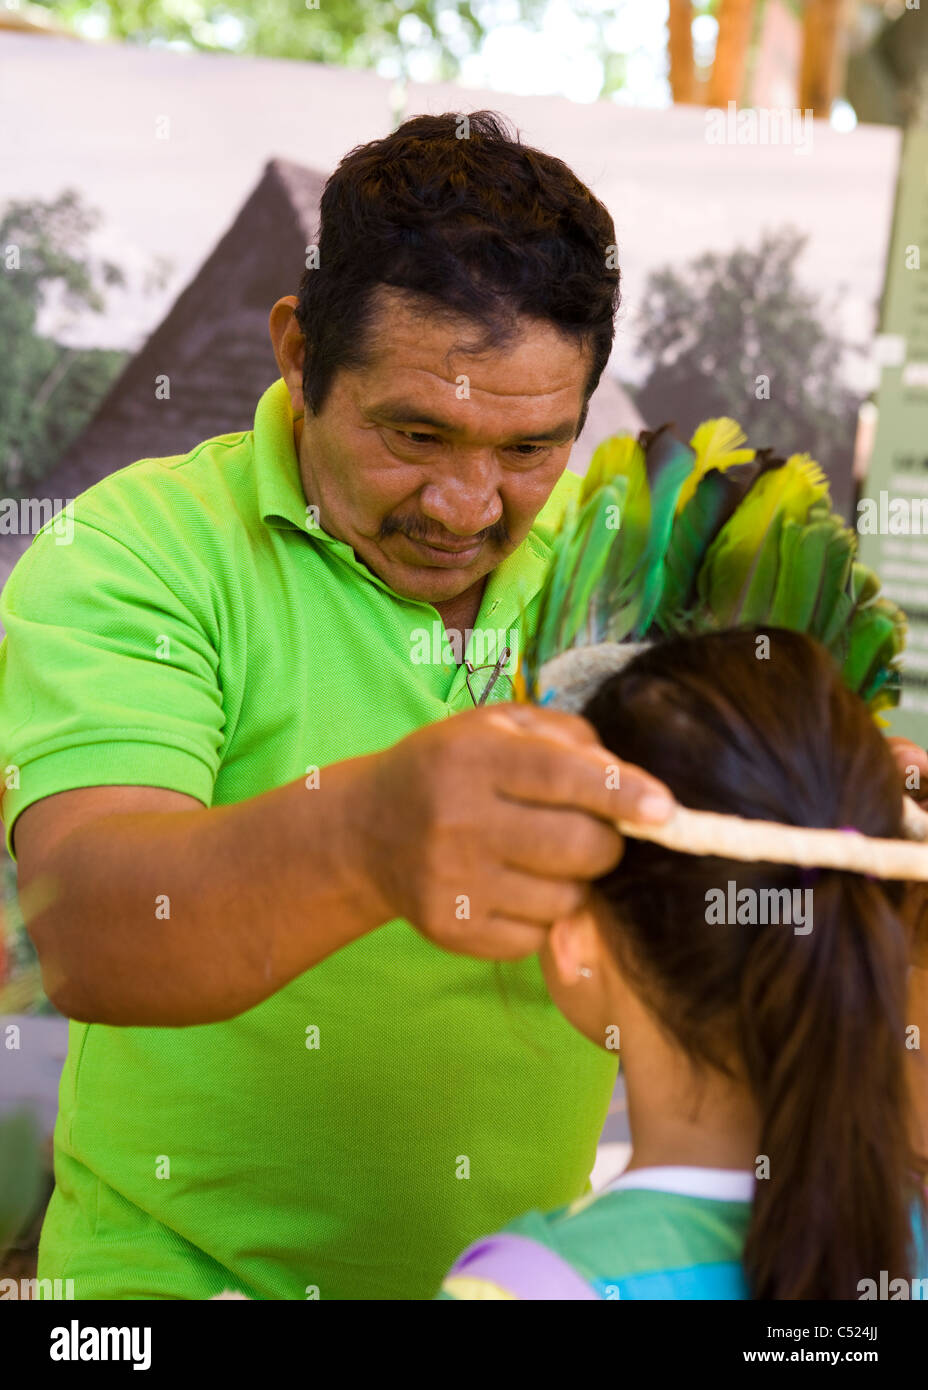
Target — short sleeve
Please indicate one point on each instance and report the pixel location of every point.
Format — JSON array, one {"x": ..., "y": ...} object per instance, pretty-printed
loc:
[
  {"x": 512, "y": 1264},
  {"x": 108, "y": 676}
]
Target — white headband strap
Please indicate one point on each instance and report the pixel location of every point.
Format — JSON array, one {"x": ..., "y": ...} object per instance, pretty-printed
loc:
[{"x": 762, "y": 841}]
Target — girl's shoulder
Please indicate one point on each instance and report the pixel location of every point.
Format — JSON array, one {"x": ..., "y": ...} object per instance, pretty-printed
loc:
[
  {"x": 628, "y": 1243},
  {"x": 610, "y": 1245}
]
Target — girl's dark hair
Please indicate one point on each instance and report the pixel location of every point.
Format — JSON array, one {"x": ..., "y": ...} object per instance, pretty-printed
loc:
[
  {"x": 483, "y": 226},
  {"x": 814, "y": 1022}
]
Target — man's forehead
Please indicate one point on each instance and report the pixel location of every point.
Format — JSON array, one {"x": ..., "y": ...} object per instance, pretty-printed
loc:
[{"x": 414, "y": 357}]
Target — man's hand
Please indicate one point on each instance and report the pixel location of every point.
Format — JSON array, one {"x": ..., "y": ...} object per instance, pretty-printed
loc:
[
  {"x": 908, "y": 755},
  {"x": 485, "y": 828},
  {"x": 915, "y": 910}
]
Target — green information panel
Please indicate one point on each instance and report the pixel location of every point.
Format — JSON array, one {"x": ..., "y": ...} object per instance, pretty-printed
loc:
[{"x": 892, "y": 519}]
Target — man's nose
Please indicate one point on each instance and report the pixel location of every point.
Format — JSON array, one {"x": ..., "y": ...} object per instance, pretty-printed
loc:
[{"x": 466, "y": 500}]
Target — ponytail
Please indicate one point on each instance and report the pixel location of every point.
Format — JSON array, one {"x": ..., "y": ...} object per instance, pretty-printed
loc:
[
  {"x": 814, "y": 1024},
  {"x": 822, "y": 1027}
]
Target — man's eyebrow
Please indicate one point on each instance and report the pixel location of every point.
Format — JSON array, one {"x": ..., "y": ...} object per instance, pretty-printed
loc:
[{"x": 408, "y": 413}]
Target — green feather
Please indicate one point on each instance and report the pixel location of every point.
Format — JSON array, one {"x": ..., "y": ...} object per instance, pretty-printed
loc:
[
  {"x": 545, "y": 642},
  {"x": 670, "y": 464},
  {"x": 580, "y": 551},
  {"x": 715, "y": 537},
  {"x": 877, "y": 636},
  {"x": 694, "y": 529},
  {"x": 864, "y": 584},
  {"x": 738, "y": 578},
  {"x": 833, "y": 603},
  {"x": 861, "y": 591},
  {"x": 595, "y": 539},
  {"x": 814, "y": 567},
  {"x": 799, "y": 570},
  {"x": 620, "y": 593}
]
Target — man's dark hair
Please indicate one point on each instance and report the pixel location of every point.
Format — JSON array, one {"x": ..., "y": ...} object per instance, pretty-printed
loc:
[{"x": 483, "y": 226}]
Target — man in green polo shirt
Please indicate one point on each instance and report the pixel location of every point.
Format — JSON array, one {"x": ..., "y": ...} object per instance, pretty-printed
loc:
[{"x": 269, "y": 879}]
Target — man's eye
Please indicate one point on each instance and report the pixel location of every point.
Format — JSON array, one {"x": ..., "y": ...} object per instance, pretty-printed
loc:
[{"x": 417, "y": 437}]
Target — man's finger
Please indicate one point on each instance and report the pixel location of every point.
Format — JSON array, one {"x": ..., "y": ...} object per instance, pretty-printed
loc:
[
  {"x": 568, "y": 844},
  {"x": 909, "y": 755},
  {"x": 530, "y": 898},
  {"x": 586, "y": 778},
  {"x": 509, "y": 939},
  {"x": 555, "y": 723}
]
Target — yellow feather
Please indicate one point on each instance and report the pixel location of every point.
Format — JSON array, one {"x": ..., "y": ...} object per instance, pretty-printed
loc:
[
  {"x": 615, "y": 455},
  {"x": 806, "y": 467},
  {"x": 716, "y": 444}
]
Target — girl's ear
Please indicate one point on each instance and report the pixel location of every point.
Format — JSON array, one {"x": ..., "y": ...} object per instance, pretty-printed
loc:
[{"x": 574, "y": 944}]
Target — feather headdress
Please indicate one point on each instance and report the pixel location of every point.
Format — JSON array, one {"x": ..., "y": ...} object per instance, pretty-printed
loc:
[{"x": 668, "y": 539}]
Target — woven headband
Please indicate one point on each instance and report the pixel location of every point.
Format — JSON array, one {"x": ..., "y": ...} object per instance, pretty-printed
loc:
[{"x": 764, "y": 841}]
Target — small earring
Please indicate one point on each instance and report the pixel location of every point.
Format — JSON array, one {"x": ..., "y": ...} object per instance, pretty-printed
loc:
[{"x": 585, "y": 971}]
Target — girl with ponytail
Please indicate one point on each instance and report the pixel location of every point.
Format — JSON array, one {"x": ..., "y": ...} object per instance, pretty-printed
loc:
[{"x": 760, "y": 1009}]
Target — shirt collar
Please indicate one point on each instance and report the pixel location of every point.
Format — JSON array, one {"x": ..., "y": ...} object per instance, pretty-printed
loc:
[
  {"x": 716, "y": 1184},
  {"x": 280, "y": 488},
  {"x": 510, "y": 586}
]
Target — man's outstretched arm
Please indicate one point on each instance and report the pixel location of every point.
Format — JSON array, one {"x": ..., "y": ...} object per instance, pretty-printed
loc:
[{"x": 146, "y": 908}]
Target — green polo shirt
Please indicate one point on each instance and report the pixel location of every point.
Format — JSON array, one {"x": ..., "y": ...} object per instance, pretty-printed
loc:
[{"x": 189, "y": 627}]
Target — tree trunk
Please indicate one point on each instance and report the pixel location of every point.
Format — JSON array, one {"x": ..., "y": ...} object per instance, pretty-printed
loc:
[
  {"x": 680, "y": 48},
  {"x": 824, "y": 24},
  {"x": 731, "y": 51}
]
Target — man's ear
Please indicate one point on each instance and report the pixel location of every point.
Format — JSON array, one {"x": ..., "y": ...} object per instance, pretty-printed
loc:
[{"x": 289, "y": 348}]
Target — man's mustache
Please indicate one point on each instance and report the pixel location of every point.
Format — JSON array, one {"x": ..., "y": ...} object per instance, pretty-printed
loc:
[{"x": 418, "y": 530}]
